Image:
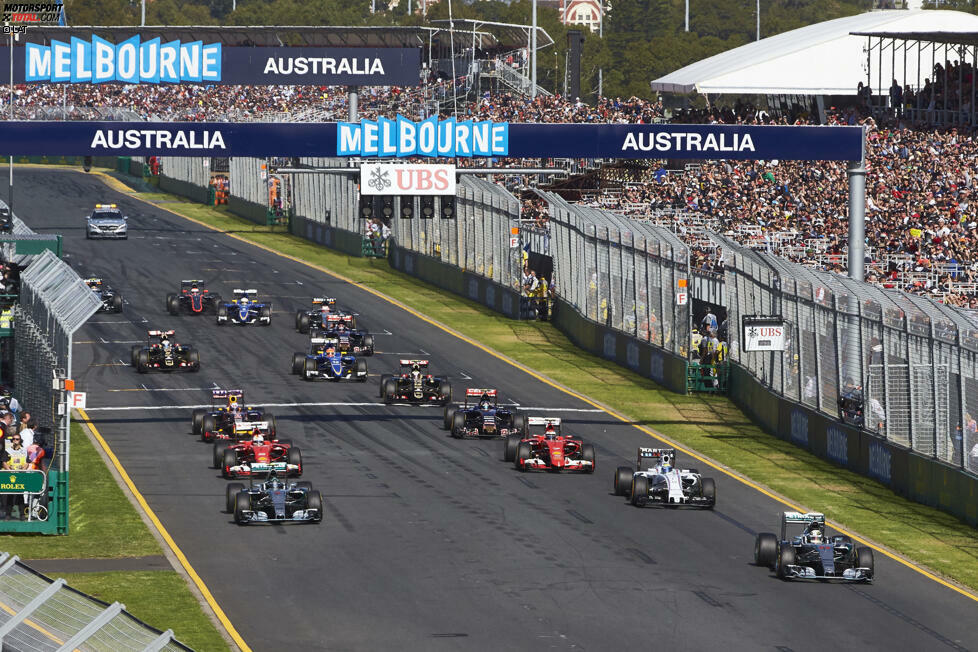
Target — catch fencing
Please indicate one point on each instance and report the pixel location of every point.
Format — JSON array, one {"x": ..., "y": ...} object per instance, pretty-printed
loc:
[
  {"x": 477, "y": 240},
  {"x": 620, "y": 273},
  {"x": 324, "y": 198},
  {"x": 902, "y": 366},
  {"x": 43, "y": 615}
]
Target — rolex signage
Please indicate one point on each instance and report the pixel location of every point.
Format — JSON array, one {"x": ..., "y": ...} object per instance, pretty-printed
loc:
[{"x": 18, "y": 482}]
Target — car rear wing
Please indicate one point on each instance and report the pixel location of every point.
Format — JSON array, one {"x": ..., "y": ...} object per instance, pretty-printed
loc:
[
  {"x": 323, "y": 340},
  {"x": 189, "y": 281},
  {"x": 251, "y": 291},
  {"x": 798, "y": 517},
  {"x": 224, "y": 393},
  {"x": 241, "y": 426},
  {"x": 411, "y": 363},
  {"x": 543, "y": 422},
  {"x": 332, "y": 318},
  {"x": 653, "y": 455},
  {"x": 93, "y": 280},
  {"x": 160, "y": 333},
  {"x": 472, "y": 391},
  {"x": 318, "y": 301}
]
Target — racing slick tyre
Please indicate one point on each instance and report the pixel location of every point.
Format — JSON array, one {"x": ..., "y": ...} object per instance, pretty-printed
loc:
[
  {"x": 215, "y": 302},
  {"x": 198, "y": 418},
  {"x": 388, "y": 390},
  {"x": 383, "y": 380},
  {"x": 308, "y": 368},
  {"x": 134, "y": 355},
  {"x": 786, "y": 557},
  {"x": 639, "y": 491},
  {"x": 219, "y": 447},
  {"x": 523, "y": 452},
  {"x": 193, "y": 359},
  {"x": 294, "y": 456},
  {"x": 623, "y": 480},
  {"x": 361, "y": 370},
  {"x": 230, "y": 459},
  {"x": 512, "y": 445},
  {"x": 864, "y": 559},
  {"x": 519, "y": 422},
  {"x": 449, "y": 416},
  {"x": 272, "y": 424},
  {"x": 230, "y": 495},
  {"x": 222, "y": 314},
  {"x": 302, "y": 322},
  {"x": 458, "y": 424},
  {"x": 587, "y": 454},
  {"x": 298, "y": 363},
  {"x": 305, "y": 484},
  {"x": 117, "y": 302},
  {"x": 314, "y": 500},
  {"x": 445, "y": 392},
  {"x": 368, "y": 344},
  {"x": 765, "y": 549},
  {"x": 709, "y": 491},
  {"x": 142, "y": 362},
  {"x": 168, "y": 303},
  {"x": 208, "y": 424},
  {"x": 265, "y": 316},
  {"x": 242, "y": 503}
]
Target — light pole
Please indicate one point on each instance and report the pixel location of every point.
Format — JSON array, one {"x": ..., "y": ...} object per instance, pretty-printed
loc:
[
  {"x": 758, "y": 20},
  {"x": 687, "y": 15},
  {"x": 533, "y": 54},
  {"x": 10, "y": 187},
  {"x": 142, "y": 20},
  {"x": 601, "y": 36}
]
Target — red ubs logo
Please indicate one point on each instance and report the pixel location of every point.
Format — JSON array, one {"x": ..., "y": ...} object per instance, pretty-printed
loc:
[{"x": 422, "y": 179}]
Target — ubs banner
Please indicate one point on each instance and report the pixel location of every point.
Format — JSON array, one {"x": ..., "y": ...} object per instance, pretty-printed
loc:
[
  {"x": 135, "y": 61},
  {"x": 430, "y": 139}
]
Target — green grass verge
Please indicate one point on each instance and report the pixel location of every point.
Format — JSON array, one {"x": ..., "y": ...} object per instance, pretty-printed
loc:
[
  {"x": 103, "y": 524},
  {"x": 711, "y": 425},
  {"x": 158, "y": 598}
]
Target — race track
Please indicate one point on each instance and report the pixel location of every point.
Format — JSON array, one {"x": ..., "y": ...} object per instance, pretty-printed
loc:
[{"x": 430, "y": 543}]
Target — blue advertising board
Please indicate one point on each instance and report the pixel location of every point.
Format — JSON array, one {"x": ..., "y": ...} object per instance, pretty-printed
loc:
[
  {"x": 440, "y": 139},
  {"x": 137, "y": 61}
]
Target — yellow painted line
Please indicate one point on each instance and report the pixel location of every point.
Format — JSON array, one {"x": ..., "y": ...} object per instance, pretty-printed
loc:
[
  {"x": 547, "y": 381},
  {"x": 30, "y": 623},
  {"x": 221, "y": 616}
]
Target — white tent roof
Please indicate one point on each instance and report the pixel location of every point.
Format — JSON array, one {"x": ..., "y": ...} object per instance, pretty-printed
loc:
[{"x": 820, "y": 59}]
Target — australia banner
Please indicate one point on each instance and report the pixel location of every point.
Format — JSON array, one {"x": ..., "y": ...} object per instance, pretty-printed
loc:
[
  {"x": 432, "y": 139},
  {"x": 153, "y": 61}
]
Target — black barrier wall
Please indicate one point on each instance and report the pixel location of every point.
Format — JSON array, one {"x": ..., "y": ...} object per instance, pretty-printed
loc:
[
  {"x": 918, "y": 478},
  {"x": 326, "y": 235}
]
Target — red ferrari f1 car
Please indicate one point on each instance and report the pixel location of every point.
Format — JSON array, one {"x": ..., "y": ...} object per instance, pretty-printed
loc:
[{"x": 549, "y": 450}]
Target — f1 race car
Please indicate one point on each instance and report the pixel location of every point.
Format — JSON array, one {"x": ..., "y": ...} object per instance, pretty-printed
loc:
[
  {"x": 111, "y": 300},
  {"x": 812, "y": 555},
  {"x": 233, "y": 419},
  {"x": 549, "y": 450},
  {"x": 258, "y": 455},
  {"x": 326, "y": 360},
  {"x": 357, "y": 341},
  {"x": 244, "y": 309},
  {"x": 662, "y": 483},
  {"x": 6, "y": 219},
  {"x": 414, "y": 386},
  {"x": 274, "y": 501},
  {"x": 317, "y": 316},
  {"x": 161, "y": 354},
  {"x": 107, "y": 221},
  {"x": 480, "y": 416},
  {"x": 194, "y": 298}
]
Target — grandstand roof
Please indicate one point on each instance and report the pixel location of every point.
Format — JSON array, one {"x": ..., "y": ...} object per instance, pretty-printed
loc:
[
  {"x": 388, "y": 36},
  {"x": 827, "y": 58}
]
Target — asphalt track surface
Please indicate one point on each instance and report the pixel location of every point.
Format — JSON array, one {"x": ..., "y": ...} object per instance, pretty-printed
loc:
[{"x": 430, "y": 543}]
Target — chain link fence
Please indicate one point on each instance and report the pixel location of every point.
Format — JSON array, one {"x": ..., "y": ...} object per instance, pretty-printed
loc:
[
  {"x": 620, "y": 273},
  {"x": 899, "y": 365},
  {"x": 38, "y": 614}
]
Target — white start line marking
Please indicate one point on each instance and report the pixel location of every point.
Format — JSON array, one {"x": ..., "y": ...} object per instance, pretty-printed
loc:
[{"x": 123, "y": 408}]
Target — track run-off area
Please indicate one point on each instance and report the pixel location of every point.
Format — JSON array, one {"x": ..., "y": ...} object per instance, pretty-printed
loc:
[{"x": 429, "y": 543}]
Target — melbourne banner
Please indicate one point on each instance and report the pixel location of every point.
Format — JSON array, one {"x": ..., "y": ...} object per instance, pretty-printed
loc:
[
  {"x": 137, "y": 61},
  {"x": 431, "y": 139}
]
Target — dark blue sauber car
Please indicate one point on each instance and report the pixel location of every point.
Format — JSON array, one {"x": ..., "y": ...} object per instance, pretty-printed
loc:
[
  {"x": 244, "y": 309},
  {"x": 327, "y": 361}
]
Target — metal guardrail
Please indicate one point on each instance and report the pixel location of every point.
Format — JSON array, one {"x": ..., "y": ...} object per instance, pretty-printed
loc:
[
  {"x": 38, "y": 614},
  {"x": 899, "y": 365}
]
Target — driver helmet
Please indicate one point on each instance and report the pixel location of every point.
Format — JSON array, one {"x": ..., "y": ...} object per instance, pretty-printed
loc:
[
  {"x": 550, "y": 432},
  {"x": 243, "y": 301},
  {"x": 416, "y": 370},
  {"x": 324, "y": 309},
  {"x": 330, "y": 351},
  {"x": 484, "y": 402},
  {"x": 665, "y": 464},
  {"x": 815, "y": 534},
  {"x": 194, "y": 288},
  {"x": 165, "y": 343},
  {"x": 257, "y": 437}
]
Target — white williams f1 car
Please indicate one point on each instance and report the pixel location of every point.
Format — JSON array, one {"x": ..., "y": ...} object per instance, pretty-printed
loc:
[{"x": 662, "y": 483}]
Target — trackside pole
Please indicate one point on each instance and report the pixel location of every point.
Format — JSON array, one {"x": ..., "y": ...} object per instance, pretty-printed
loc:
[
  {"x": 857, "y": 218},
  {"x": 352, "y": 100}
]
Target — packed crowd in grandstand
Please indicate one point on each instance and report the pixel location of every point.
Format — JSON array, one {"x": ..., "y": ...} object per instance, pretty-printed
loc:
[{"x": 922, "y": 228}]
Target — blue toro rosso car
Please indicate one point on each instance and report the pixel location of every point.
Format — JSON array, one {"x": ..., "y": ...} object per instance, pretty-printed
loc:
[
  {"x": 327, "y": 361},
  {"x": 323, "y": 315},
  {"x": 244, "y": 309}
]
